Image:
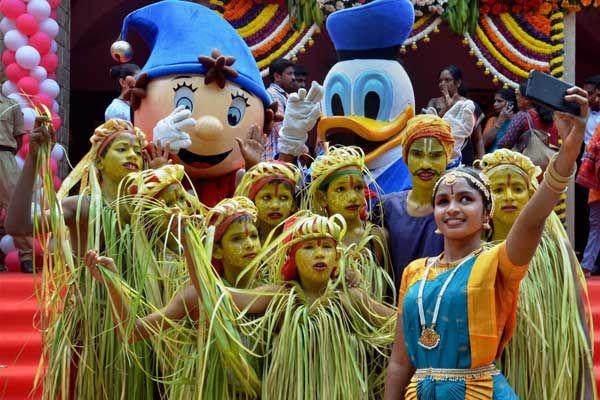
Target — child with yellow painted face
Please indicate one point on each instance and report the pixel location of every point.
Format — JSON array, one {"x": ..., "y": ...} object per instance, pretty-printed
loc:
[
  {"x": 272, "y": 186},
  {"x": 554, "y": 283},
  {"x": 427, "y": 145},
  {"x": 305, "y": 257},
  {"x": 338, "y": 187}
]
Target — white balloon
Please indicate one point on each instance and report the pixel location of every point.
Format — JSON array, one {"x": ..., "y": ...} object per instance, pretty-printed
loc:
[
  {"x": 7, "y": 25},
  {"x": 57, "y": 152},
  {"x": 49, "y": 26},
  {"x": 7, "y": 244},
  {"x": 29, "y": 115},
  {"x": 38, "y": 73},
  {"x": 14, "y": 39},
  {"x": 55, "y": 107},
  {"x": 19, "y": 99},
  {"x": 28, "y": 57},
  {"x": 50, "y": 87},
  {"x": 20, "y": 162},
  {"x": 9, "y": 88},
  {"x": 53, "y": 46},
  {"x": 40, "y": 9}
]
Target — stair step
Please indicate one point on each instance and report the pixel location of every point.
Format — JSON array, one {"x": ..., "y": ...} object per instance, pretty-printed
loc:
[
  {"x": 17, "y": 382},
  {"x": 18, "y": 314},
  {"x": 17, "y": 286},
  {"x": 20, "y": 347}
]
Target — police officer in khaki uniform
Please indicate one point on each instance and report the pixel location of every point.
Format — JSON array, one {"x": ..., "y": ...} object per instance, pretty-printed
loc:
[{"x": 11, "y": 138}]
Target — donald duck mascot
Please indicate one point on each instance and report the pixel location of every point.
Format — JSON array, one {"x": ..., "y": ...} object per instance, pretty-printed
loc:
[{"x": 368, "y": 97}]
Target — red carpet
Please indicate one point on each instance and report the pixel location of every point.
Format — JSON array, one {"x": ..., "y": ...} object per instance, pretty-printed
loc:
[
  {"x": 21, "y": 343},
  {"x": 20, "y": 340},
  {"x": 594, "y": 293}
]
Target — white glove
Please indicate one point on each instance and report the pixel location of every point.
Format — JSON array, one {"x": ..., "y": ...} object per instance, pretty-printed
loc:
[
  {"x": 302, "y": 112},
  {"x": 169, "y": 129}
]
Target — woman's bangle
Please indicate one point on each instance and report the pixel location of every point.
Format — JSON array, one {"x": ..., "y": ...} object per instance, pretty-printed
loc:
[
  {"x": 556, "y": 177},
  {"x": 556, "y": 189}
]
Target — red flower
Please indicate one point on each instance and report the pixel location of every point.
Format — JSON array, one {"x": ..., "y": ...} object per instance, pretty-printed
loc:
[
  {"x": 517, "y": 9},
  {"x": 497, "y": 8},
  {"x": 484, "y": 10}
]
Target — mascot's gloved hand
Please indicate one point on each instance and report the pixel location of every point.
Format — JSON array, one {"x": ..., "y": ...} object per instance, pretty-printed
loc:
[
  {"x": 461, "y": 117},
  {"x": 169, "y": 129},
  {"x": 301, "y": 114}
]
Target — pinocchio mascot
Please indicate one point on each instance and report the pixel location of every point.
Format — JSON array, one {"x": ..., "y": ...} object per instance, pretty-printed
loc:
[
  {"x": 368, "y": 97},
  {"x": 200, "y": 91}
]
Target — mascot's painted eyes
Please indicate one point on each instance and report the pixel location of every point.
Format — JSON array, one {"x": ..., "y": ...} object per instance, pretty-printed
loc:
[
  {"x": 237, "y": 109},
  {"x": 184, "y": 96},
  {"x": 337, "y": 102},
  {"x": 373, "y": 95}
]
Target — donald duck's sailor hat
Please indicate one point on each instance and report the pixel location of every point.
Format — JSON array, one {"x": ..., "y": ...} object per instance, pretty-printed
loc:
[{"x": 373, "y": 31}]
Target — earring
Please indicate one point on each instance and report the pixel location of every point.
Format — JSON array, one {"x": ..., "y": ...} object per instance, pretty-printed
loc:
[
  {"x": 437, "y": 230},
  {"x": 487, "y": 226}
]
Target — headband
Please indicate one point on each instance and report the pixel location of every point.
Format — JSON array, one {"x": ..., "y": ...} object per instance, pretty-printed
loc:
[
  {"x": 350, "y": 170},
  {"x": 483, "y": 184},
  {"x": 262, "y": 182}
]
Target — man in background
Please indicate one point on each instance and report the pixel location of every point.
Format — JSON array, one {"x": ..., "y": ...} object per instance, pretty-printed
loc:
[
  {"x": 11, "y": 139},
  {"x": 281, "y": 76},
  {"x": 300, "y": 76}
]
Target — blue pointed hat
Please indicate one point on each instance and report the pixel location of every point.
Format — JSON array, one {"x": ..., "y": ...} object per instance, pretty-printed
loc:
[
  {"x": 374, "y": 30},
  {"x": 178, "y": 32}
]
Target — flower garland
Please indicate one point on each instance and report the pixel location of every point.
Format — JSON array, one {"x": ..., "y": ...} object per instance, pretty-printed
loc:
[
  {"x": 509, "y": 46},
  {"x": 329, "y": 6},
  {"x": 267, "y": 28},
  {"x": 421, "y": 30},
  {"x": 538, "y": 7}
]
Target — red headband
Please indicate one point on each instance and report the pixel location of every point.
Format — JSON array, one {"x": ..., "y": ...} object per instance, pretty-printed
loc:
[
  {"x": 222, "y": 227},
  {"x": 262, "y": 182},
  {"x": 107, "y": 140}
]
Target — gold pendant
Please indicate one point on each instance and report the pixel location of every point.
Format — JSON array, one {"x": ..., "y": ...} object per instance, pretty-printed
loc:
[{"x": 429, "y": 338}]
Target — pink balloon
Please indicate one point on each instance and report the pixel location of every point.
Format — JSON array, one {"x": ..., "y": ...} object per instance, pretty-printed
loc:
[
  {"x": 52, "y": 75},
  {"x": 41, "y": 42},
  {"x": 56, "y": 122},
  {"x": 8, "y": 57},
  {"x": 12, "y": 261},
  {"x": 27, "y": 24},
  {"x": 12, "y": 8},
  {"x": 29, "y": 85},
  {"x": 54, "y": 15},
  {"x": 23, "y": 151},
  {"x": 57, "y": 182},
  {"x": 25, "y": 138},
  {"x": 50, "y": 62},
  {"x": 15, "y": 72},
  {"x": 43, "y": 98},
  {"x": 54, "y": 3}
]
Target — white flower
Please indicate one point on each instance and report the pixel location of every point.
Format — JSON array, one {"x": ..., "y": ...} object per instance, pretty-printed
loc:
[
  {"x": 339, "y": 5},
  {"x": 418, "y": 13}
]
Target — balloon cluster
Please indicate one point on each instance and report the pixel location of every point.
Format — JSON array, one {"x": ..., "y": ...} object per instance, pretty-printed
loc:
[{"x": 30, "y": 60}]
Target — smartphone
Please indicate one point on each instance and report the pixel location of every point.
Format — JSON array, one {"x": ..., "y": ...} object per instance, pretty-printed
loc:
[{"x": 550, "y": 92}]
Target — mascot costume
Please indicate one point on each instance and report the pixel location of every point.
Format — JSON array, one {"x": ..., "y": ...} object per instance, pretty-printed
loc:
[
  {"x": 368, "y": 97},
  {"x": 200, "y": 91}
]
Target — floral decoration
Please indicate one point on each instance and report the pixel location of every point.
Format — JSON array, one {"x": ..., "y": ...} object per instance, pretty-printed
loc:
[
  {"x": 423, "y": 7},
  {"x": 267, "y": 28}
]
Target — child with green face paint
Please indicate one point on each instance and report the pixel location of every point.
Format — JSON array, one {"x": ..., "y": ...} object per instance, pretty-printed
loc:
[
  {"x": 427, "y": 145},
  {"x": 272, "y": 186},
  {"x": 554, "y": 283},
  {"x": 338, "y": 187}
]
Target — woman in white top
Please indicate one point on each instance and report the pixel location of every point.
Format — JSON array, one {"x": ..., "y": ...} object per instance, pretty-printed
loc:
[{"x": 124, "y": 74}]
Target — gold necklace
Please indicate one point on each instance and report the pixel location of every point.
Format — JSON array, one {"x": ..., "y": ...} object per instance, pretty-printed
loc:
[{"x": 430, "y": 339}]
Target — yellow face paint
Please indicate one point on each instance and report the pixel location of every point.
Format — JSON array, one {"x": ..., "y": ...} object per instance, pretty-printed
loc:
[
  {"x": 240, "y": 244},
  {"x": 345, "y": 195},
  {"x": 426, "y": 162},
  {"x": 275, "y": 202},
  {"x": 511, "y": 194},
  {"x": 123, "y": 156},
  {"x": 315, "y": 260}
]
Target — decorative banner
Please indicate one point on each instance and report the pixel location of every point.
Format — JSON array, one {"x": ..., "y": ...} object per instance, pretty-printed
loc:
[
  {"x": 508, "y": 46},
  {"x": 267, "y": 30}
]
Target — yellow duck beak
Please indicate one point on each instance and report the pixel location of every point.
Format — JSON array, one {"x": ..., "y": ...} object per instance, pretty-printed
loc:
[{"x": 374, "y": 137}]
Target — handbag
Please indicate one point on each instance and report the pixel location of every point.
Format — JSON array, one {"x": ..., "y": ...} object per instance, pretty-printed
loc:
[
  {"x": 535, "y": 144},
  {"x": 589, "y": 172}
]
